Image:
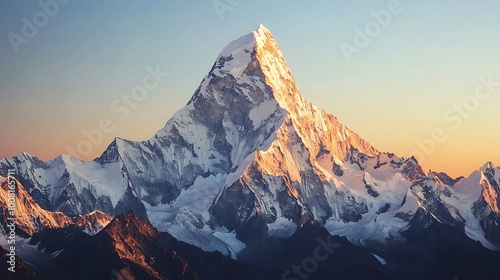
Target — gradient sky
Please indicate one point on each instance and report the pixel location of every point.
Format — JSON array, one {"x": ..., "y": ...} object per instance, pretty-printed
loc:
[{"x": 393, "y": 93}]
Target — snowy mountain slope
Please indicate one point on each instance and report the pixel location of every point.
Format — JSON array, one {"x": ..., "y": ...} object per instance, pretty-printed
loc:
[
  {"x": 30, "y": 218},
  {"x": 471, "y": 204},
  {"x": 249, "y": 153},
  {"x": 74, "y": 187}
]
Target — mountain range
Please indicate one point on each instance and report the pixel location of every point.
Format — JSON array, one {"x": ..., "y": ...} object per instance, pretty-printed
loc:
[{"x": 246, "y": 181}]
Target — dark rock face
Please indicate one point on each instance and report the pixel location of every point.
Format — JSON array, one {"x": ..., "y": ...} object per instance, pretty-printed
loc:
[
  {"x": 253, "y": 230},
  {"x": 371, "y": 190},
  {"x": 40, "y": 198},
  {"x": 486, "y": 208},
  {"x": 353, "y": 211},
  {"x": 491, "y": 227},
  {"x": 311, "y": 180},
  {"x": 131, "y": 201},
  {"x": 337, "y": 170},
  {"x": 110, "y": 155},
  {"x": 234, "y": 206},
  {"x": 384, "y": 209},
  {"x": 288, "y": 204},
  {"x": 413, "y": 170},
  {"x": 433, "y": 203},
  {"x": 494, "y": 185},
  {"x": 447, "y": 179}
]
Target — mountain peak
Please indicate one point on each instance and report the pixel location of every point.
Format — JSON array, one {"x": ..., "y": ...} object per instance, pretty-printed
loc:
[
  {"x": 262, "y": 33},
  {"x": 257, "y": 56},
  {"x": 245, "y": 55},
  {"x": 488, "y": 165},
  {"x": 248, "y": 42},
  {"x": 262, "y": 28},
  {"x": 250, "y": 90}
]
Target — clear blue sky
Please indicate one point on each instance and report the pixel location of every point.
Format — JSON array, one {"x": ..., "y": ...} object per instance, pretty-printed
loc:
[{"x": 392, "y": 93}]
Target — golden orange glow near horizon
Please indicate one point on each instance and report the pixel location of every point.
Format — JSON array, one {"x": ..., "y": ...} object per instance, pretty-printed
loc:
[
  {"x": 427, "y": 83},
  {"x": 456, "y": 152}
]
